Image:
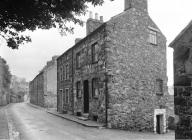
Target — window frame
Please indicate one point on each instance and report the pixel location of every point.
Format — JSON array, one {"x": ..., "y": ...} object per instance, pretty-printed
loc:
[
  {"x": 159, "y": 87},
  {"x": 67, "y": 99},
  {"x": 94, "y": 52},
  {"x": 78, "y": 89},
  {"x": 152, "y": 38},
  {"x": 66, "y": 71},
  {"x": 95, "y": 87},
  {"x": 61, "y": 94},
  {"x": 61, "y": 73},
  {"x": 78, "y": 59}
]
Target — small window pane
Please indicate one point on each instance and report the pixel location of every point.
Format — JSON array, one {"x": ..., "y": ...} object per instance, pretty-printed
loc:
[
  {"x": 78, "y": 60},
  {"x": 159, "y": 86},
  {"x": 78, "y": 89},
  {"x": 152, "y": 37},
  {"x": 95, "y": 50},
  {"x": 95, "y": 89}
]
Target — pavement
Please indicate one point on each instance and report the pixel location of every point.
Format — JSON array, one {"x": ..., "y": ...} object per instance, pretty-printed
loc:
[
  {"x": 4, "y": 131},
  {"x": 69, "y": 117},
  {"x": 87, "y": 123}
]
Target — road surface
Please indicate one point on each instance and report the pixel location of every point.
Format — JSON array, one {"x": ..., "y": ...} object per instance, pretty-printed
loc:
[{"x": 35, "y": 124}]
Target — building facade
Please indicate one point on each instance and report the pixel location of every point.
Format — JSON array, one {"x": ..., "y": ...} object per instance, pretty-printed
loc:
[
  {"x": 36, "y": 90},
  {"x": 50, "y": 83},
  {"x": 43, "y": 88},
  {"x": 18, "y": 89},
  {"x": 182, "y": 46},
  {"x": 118, "y": 73}
]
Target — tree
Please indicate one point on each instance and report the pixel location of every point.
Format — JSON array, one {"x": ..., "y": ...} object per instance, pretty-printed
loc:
[
  {"x": 17, "y": 16},
  {"x": 6, "y": 79}
]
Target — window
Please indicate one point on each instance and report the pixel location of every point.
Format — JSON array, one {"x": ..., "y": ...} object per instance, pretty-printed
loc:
[
  {"x": 78, "y": 85},
  {"x": 61, "y": 73},
  {"x": 152, "y": 36},
  {"x": 78, "y": 59},
  {"x": 95, "y": 89},
  {"x": 67, "y": 96},
  {"x": 159, "y": 86},
  {"x": 94, "y": 52},
  {"x": 66, "y": 72},
  {"x": 61, "y": 97}
]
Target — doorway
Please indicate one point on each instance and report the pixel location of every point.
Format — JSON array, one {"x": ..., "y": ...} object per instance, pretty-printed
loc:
[
  {"x": 159, "y": 125},
  {"x": 86, "y": 96}
]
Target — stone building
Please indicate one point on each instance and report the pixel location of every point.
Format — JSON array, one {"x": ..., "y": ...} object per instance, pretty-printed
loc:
[
  {"x": 182, "y": 46},
  {"x": 117, "y": 73},
  {"x": 50, "y": 83},
  {"x": 65, "y": 82},
  {"x": 43, "y": 88},
  {"x": 19, "y": 88},
  {"x": 36, "y": 90}
]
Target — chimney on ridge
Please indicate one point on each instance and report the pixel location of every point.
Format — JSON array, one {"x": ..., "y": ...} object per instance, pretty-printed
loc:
[
  {"x": 93, "y": 24},
  {"x": 137, "y": 4}
]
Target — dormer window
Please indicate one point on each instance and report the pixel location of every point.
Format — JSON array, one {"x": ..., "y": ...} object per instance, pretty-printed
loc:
[{"x": 152, "y": 36}]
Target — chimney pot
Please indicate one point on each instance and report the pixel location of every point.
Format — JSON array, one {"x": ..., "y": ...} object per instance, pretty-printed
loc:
[
  {"x": 101, "y": 18},
  {"x": 90, "y": 14},
  {"x": 96, "y": 16}
]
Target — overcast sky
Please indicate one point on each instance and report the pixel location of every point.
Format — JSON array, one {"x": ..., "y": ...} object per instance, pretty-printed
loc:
[{"x": 171, "y": 16}]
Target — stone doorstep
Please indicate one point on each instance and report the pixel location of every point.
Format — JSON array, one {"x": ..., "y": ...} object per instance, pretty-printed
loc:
[
  {"x": 87, "y": 123},
  {"x": 83, "y": 118}
]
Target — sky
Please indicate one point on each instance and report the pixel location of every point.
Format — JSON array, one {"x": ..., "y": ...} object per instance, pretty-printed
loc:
[{"x": 171, "y": 16}]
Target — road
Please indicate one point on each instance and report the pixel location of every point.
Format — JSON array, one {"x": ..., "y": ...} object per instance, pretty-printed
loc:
[{"x": 36, "y": 124}]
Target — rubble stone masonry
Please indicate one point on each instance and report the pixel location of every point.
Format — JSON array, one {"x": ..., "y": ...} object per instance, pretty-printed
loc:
[
  {"x": 130, "y": 91},
  {"x": 134, "y": 65}
]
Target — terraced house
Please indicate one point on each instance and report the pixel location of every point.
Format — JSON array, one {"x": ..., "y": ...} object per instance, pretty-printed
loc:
[
  {"x": 117, "y": 73},
  {"x": 182, "y": 46},
  {"x": 43, "y": 88}
]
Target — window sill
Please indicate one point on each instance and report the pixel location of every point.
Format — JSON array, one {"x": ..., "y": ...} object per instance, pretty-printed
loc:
[
  {"x": 159, "y": 93},
  {"x": 153, "y": 44},
  {"x": 95, "y": 62}
]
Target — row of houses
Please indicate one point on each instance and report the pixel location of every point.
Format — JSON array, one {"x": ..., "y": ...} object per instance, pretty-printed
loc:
[
  {"x": 115, "y": 75},
  {"x": 43, "y": 88}
]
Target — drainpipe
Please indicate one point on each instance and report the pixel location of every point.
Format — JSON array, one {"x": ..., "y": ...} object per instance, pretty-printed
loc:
[{"x": 73, "y": 96}]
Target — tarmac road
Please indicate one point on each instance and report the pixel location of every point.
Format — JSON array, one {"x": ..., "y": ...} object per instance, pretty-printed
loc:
[{"x": 35, "y": 124}]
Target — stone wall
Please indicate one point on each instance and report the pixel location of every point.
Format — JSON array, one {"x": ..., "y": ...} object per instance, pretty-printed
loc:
[
  {"x": 64, "y": 82},
  {"x": 88, "y": 71},
  {"x": 133, "y": 66},
  {"x": 50, "y": 83},
  {"x": 36, "y": 90}
]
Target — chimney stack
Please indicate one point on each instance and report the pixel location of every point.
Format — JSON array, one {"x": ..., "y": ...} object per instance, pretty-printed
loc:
[
  {"x": 77, "y": 40},
  {"x": 101, "y": 18},
  {"x": 96, "y": 16},
  {"x": 90, "y": 14},
  {"x": 137, "y": 4},
  {"x": 93, "y": 24}
]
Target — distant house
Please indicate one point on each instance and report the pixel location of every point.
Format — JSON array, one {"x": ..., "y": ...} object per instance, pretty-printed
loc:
[
  {"x": 182, "y": 46},
  {"x": 50, "y": 83},
  {"x": 18, "y": 89},
  {"x": 117, "y": 73},
  {"x": 43, "y": 88}
]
